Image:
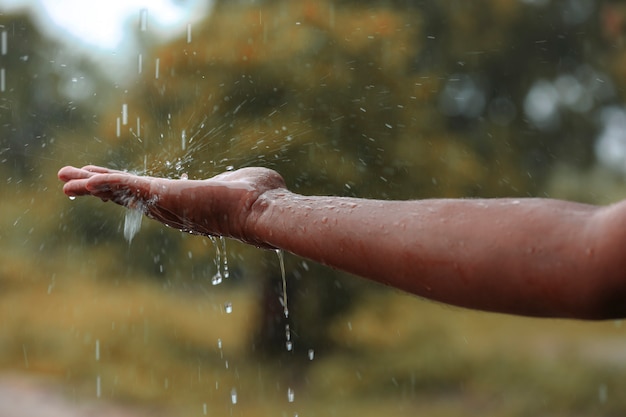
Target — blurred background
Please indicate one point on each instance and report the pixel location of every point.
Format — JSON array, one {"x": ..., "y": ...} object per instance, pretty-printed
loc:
[{"x": 403, "y": 99}]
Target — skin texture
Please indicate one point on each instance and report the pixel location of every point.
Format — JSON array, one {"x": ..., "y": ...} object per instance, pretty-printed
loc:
[{"x": 534, "y": 257}]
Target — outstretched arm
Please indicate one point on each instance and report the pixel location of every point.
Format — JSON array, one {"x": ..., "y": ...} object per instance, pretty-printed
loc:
[{"x": 536, "y": 257}]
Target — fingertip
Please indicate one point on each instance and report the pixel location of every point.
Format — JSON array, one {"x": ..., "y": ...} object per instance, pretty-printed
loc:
[{"x": 64, "y": 173}]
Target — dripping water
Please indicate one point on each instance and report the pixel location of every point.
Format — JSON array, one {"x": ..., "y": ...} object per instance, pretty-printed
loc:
[
  {"x": 221, "y": 260},
  {"x": 281, "y": 260}
]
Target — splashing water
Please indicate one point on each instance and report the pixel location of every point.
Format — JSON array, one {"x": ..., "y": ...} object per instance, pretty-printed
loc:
[{"x": 132, "y": 223}]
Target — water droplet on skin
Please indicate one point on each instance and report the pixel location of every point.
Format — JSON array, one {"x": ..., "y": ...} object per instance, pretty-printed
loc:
[
  {"x": 72, "y": 197},
  {"x": 184, "y": 176}
]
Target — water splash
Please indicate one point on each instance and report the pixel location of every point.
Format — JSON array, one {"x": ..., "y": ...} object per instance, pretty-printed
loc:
[{"x": 132, "y": 223}]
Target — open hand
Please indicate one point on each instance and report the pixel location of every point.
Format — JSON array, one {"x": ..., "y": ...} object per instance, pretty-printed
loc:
[{"x": 221, "y": 205}]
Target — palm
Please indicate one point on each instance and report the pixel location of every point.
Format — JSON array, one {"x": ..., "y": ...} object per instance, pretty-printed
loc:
[{"x": 216, "y": 206}]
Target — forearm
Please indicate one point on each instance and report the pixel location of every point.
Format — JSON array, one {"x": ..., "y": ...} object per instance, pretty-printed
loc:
[{"x": 532, "y": 257}]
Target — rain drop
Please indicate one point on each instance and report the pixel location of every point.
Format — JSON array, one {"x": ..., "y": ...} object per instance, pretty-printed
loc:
[
  {"x": 217, "y": 278},
  {"x": 311, "y": 354},
  {"x": 290, "y": 395},
  {"x": 143, "y": 20},
  {"x": 4, "y": 43},
  {"x": 228, "y": 307},
  {"x": 233, "y": 396}
]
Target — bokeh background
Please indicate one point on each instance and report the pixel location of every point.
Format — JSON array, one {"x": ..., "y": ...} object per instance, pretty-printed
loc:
[{"x": 379, "y": 99}]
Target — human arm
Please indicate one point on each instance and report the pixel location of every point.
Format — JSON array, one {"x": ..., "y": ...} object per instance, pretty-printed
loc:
[{"x": 535, "y": 257}]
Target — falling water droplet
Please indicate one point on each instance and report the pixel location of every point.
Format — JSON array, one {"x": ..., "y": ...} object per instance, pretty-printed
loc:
[
  {"x": 2, "y": 80},
  {"x": 139, "y": 64},
  {"x": 217, "y": 278},
  {"x": 4, "y": 43},
  {"x": 98, "y": 387},
  {"x": 157, "y": 62},
  {"x": 290, "y": 395},
  {"x": 188, "y": 32},
  {"x": 219, "y": 343},
  {"x": 183, "y": 140},
  {"x": 311, "y": 354},
  {"x": 233, "y": 396},
  {"x": 118, "y": 127},
  {"x": 124, "y": 114},
  {"x": 97, "y": 350},
  {"x": 281, "y": 260},
  {"x": 228, "y": 307},
  {"x": 143, "y": 20},
  {"x": 225, "y": 270}
]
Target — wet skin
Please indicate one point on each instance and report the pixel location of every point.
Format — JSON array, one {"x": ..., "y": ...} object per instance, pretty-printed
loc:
[{"x": 536, "y": 257}]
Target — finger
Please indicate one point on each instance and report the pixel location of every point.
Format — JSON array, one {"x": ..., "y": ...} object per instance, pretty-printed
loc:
[
  {"x": 101, "y": 170},
  {"x": 123, "y": 189},
  {"x": 70, "y": 173},
  {"x": 76, "y": 188}
]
